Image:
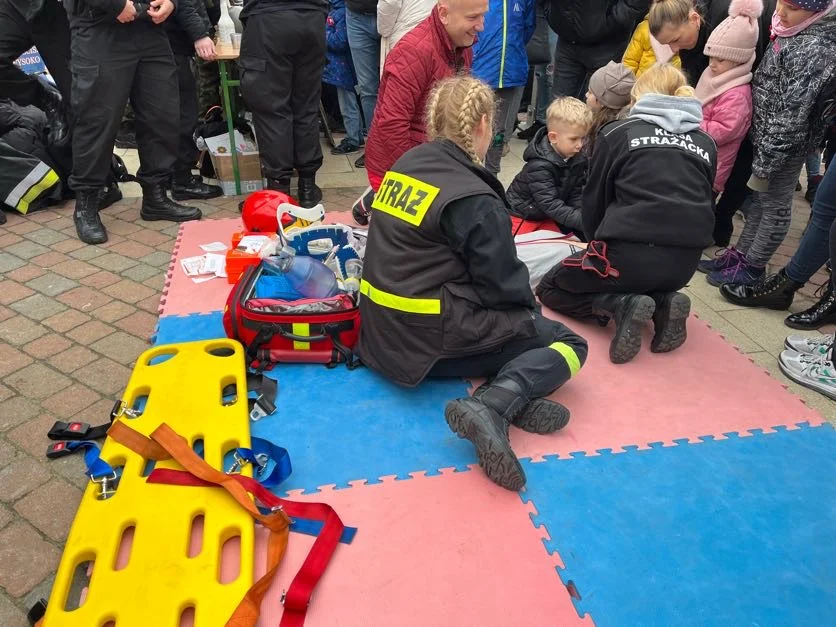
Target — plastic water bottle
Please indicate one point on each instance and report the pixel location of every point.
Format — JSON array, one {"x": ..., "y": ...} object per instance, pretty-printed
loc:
[{"x": 308, "y": 276}]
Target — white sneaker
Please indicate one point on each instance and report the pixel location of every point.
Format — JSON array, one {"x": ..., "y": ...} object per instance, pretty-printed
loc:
[
  {"x": 818, "y": 345},
  {"x": 816, "y": 372}
]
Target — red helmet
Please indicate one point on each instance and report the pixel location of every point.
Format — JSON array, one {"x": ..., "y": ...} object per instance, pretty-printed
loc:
[{"x": 260, "y": 210}]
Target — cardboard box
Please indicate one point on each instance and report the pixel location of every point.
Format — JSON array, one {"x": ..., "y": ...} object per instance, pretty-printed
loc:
[
  {"x": 247, "y": 187},
  {"x": 249, "y": 167},
  {"x": 249, "y": 163}
]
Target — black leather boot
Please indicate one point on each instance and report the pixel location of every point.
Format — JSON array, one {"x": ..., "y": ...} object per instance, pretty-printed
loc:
[
  {"x": 188, "y": 186},
  {"x": 820, "y": 314},
  {"x": 669, "y": 321},
  {"x": 309, "y": 193},
  {"x": 539, "y": 415},
  {"x": 2, "y": 217},
  {"x": 279, "y": 185},
  {"x": 110, "y": 195},
  {"x": 88, "y": 224},
  {"x": 631, "y": 313},
  {"x": 484, "y": 422},
  {"x": 53, "y": 106},
  {"x": 773, "y": 292},
  {"x": 157, "y": 206}
]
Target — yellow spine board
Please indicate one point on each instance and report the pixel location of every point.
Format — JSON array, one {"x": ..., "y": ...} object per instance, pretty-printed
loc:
[{"x": 160, "y": 581}]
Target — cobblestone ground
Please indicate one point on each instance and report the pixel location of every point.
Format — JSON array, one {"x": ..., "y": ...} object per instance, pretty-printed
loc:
[{"x": 74, "y": 318}]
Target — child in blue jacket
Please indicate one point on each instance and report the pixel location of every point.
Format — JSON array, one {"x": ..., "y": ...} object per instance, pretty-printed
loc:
[
  {"x": 500, "y": 60},
  {"x": 339, "y": 72}
]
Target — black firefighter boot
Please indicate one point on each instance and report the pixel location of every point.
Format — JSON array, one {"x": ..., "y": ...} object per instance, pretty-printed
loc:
[
  {"x": 539, "y": 416},
  {"x": 820, "y": 314},
  {"x": 309, "y": 193},
  {"x": 188, "y": 186},
  {"x": 773, "y": 292},
  {"x": 279, "y": 185},
  {"x": 55, "y": 109},
  {"x": 484, "y": 421},
  {"x": 88, "y": 224},
  {"x": 669, "y": 321},
  {"x": 157, "y": 206},
  {"x": 631, "y": 312}
]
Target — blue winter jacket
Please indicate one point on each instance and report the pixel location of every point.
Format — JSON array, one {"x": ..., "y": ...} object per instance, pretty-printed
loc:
[
  {"x": 499, "y": 56},
  {"x": 340, "y": 69}
]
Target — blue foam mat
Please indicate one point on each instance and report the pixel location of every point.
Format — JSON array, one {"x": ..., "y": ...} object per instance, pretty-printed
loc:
[
  {"x": 340, "y": 425},
  {"x": 727, "y": 532}
]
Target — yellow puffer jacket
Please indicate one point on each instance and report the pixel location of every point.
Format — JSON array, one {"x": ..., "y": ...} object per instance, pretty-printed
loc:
[{"x": 640, "y": 55}]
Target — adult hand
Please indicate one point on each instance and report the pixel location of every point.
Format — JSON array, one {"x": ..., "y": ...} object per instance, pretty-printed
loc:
[
  {"x": 205, "y": 49},
  {"x": 160, "y": 10},
  {"x": 758, "y": 184},
  {"x": 128, "y": 14}
]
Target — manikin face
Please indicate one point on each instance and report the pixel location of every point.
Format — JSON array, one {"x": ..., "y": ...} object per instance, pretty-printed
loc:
[
  {"x": 482, "y": 137},
  {"x": 683, "y": 36},
  {"x": 463, "y": 20},
  {"x": 721, "y": 66},
  {"x": 567, "y": 139},
  {"x": 791, "y": 16},
  {"x": 592, "y": 102}
]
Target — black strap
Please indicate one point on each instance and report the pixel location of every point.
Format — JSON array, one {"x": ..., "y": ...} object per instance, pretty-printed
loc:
[{"x": 82, "y": 430}]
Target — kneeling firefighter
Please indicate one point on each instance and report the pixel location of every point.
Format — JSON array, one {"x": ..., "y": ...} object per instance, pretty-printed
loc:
[{"x": 444, "y": 294}]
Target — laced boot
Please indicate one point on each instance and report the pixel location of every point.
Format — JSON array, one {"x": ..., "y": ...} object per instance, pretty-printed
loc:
[
  {"x": 669, "y": 321},
  {"x": 156, "y": 205},
  {"x": 88, "y": 224},
  {"x": 110, "y": 195},
  {"x": 188, "y": 186},
  {"x": 820, "y": 314},
  {"x": 539, "y": 416},
  {"x": 309, "y": 193},
  {"x": 279, "y": 185},
  {"x": 484, "y": 421},
  {"x": 631, "y": 313},
  {"x": 773, "y": 292}
]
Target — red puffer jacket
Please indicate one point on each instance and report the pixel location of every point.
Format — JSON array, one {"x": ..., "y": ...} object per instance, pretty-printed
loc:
[{"x": 423, "y": 56}]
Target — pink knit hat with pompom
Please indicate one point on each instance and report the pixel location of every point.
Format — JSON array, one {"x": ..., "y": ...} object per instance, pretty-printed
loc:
[{"x": 736, "y": 36}]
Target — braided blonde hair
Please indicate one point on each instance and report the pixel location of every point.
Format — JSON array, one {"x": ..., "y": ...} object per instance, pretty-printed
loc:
[{"x": 454, "y": 108}]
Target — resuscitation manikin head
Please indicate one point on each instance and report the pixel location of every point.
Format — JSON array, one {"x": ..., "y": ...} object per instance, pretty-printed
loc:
[{"x": 270, "y": 211}]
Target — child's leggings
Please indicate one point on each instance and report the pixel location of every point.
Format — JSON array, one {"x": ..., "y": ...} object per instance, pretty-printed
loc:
[{"x": 768, "y": 218}]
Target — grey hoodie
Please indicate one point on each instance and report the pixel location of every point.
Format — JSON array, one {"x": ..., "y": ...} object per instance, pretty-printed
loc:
[{"x": 675, "y": 114}]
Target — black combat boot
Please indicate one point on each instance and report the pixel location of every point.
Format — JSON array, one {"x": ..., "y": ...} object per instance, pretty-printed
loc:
[
  {"x": 110, "y": 195},
  {"x": 669, "y": 321},
  {"x": 631, "y": 313},
  {"x": 88, "y": 224},
  {"x": 188, "y": 186},
  {"x": 157, "y": 206},
  {"x": 539, "y": 416},
  {"x": 820, "y": 314},
  {"x": 484, "y": 421},
  {"x": 53, "y": 106},
  {"x": 309, "y": 193},
  {"x": 773, "y": 292},
  {"x": 279, "y": 185}
]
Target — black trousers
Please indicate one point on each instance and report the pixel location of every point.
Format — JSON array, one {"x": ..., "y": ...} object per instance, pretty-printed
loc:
[
  {"x": 113, "y": 63},
  {"x": 282, "y": 56},
  {"x": 186, "y": 149},
  {"x": 575, "y": 64},
  {"x": 50, "y": 32},
  {"x": 644, "y": 269},
  {"x": 539, "y": 365}
]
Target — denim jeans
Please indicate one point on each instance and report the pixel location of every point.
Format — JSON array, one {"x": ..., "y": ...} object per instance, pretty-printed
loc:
[
  {"x": 813, "y": 251},
  {"x": 350, "y": 111},
  {"x": 544, "y": 75},
  {"x": 813, "y": 164},
  {"x": 364, "y": 42},
  {"x": 508, "y": 104}
]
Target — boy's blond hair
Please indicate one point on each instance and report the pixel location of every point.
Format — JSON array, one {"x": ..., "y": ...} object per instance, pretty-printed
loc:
[
  {"x": 569, "y": 111},
  {"x": 662, "y": 78},
  {"x": 454, "y": 108}
]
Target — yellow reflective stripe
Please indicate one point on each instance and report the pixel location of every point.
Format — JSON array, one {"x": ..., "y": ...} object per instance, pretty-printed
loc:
[
  {"x": 48, "y": 180},
  {"x": 303, "y": 329},
  {"x": 504, "y": 40},
  {"x": 569, "y": 355},
  {"x": 430, "y": 306}
]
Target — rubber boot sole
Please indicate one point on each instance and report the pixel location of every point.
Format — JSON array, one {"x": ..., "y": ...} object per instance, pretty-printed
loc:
[
  {"x": 542, "y": 416},
  {"x": 670, "y": 322},
  {"x": 493, "y": 449},
  {"x": 627, "y": 341},
  {"x": 151, "y": 217},
  {"x": 186, "y": 196}
]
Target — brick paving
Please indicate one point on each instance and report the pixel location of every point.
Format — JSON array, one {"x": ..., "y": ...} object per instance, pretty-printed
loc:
[{"x": 74, "y": 318}]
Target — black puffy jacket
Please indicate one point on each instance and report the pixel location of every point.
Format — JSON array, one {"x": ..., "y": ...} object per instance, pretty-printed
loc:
[
  {"x": 596, "y": 22},
  {"x": 190, "y": 23},
  {"x": 549, "y": 187}
]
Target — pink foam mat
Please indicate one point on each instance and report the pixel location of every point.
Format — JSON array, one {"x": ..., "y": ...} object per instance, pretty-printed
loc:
[
  {"x": 443, "y": 550},
  {"x": 706, "y": 387}
]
